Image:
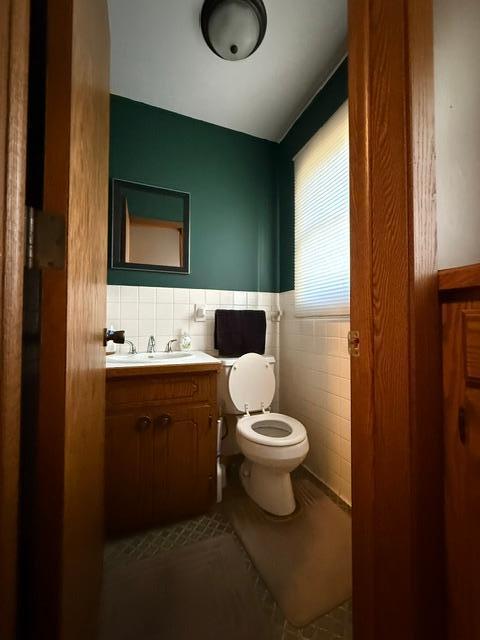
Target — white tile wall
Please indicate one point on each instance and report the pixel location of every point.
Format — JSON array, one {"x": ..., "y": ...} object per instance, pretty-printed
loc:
[
  {"x": 165, "y": 312},
  {"x": 315, "y": 389},
  {"x": 313, "y": 377}
]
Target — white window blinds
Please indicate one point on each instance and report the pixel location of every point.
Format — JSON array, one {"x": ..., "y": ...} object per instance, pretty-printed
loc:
[{"x": 322, "y": 221}]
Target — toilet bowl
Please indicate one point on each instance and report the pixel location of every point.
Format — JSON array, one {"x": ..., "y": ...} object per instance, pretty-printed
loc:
[{"x": 273, "y": 444}]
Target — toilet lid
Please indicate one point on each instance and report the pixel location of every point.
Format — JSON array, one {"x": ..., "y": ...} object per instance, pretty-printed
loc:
[{"x": 251, "y": 383}]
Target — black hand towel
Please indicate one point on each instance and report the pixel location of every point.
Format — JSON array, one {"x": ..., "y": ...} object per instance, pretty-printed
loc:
[{"x": 240, "y": 332}]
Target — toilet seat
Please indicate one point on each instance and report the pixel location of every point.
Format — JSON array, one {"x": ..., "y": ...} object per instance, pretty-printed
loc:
[
  {"x": 273, "y": 444},
  {"x": 284, "y": 430}
]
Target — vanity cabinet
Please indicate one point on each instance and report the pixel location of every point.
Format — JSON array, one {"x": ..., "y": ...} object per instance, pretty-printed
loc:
[
  {"x": 160, "y": 445},
  {"x": 460, "y": 300}
]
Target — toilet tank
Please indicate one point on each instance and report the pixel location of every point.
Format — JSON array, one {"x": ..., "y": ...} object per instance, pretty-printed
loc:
[{"x": 225, "y": 403}]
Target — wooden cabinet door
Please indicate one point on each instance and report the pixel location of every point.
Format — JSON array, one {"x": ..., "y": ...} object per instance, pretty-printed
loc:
[
  {"x": 472, "y": 503},
  {"x": 129, "y": 470},
  {"x": 160, "y": 465},
  {"x": 461, "y": 371},
  {"x": 184, "y": 461}
]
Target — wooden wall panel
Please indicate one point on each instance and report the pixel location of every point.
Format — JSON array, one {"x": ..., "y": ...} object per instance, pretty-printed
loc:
[{"x": 14, "y": 36}]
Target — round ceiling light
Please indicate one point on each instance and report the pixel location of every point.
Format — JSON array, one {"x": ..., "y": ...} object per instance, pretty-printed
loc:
[{"x": 233, "y": 29}]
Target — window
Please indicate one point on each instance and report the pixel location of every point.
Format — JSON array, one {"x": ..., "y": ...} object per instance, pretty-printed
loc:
[{"x": 322, "y": 221}]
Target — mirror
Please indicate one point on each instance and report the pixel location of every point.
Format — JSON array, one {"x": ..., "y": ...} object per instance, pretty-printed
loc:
[{"x": 150, "y": 228}]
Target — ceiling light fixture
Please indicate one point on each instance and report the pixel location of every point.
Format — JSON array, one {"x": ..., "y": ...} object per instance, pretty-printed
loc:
[{"x": 233, "y": 29}]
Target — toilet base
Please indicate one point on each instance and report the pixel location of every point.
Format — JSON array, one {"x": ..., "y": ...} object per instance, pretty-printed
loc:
[{"x": 269, "y": 487}]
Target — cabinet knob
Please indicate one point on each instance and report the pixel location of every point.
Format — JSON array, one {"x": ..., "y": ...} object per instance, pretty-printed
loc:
[
  {"x": 143, "y": 423},
  {"x": 164, "y": 420}
]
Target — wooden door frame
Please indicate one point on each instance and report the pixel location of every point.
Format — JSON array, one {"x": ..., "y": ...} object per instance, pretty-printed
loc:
[
  {"x": 14, "y": 39},
  {"x": 68, "y": 512},
  {"x": 397, "y": 449},
  {"x": 396, "y": 422}
]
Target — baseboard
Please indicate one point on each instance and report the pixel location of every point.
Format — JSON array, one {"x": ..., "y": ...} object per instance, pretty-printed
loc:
[{"x": 346, "y": 506}]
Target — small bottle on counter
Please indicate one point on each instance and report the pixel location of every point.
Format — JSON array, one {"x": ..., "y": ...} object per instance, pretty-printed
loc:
[{"x": 185, "y": 341}]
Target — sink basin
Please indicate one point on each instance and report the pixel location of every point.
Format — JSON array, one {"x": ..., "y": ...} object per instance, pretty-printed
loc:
[
  {"x": 125, "y": 360},
  {"x": 148, "y": 358}
]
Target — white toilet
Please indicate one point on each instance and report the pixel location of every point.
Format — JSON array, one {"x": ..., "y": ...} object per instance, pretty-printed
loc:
[{"x": 273, "y": 444}]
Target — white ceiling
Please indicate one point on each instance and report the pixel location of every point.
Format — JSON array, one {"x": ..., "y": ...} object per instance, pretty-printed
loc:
[{"x": 159, "y": 57}]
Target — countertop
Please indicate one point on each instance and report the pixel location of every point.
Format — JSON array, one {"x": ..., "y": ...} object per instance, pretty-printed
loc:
[{"x": 197, "y": 361}]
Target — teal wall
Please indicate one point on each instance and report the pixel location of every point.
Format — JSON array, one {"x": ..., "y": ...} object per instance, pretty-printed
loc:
[
  {"x": 242, "y": 189},
  {"x": 324, "y": 105},
  {"x": 232, "y": 181}
]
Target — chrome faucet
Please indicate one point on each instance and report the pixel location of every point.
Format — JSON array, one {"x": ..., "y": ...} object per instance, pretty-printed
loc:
[
  {"x": 133, "y": 349},
  {"x": 152, "y": 345},
  {"x": 168, "y": 348}
]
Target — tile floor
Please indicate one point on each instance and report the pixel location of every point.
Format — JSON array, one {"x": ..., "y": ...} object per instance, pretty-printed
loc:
[{"x": 335, "y": 625}]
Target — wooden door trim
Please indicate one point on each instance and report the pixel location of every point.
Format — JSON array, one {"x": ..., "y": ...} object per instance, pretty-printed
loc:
[
  {"x": 397, "y": 465},
  {"x": 14, "y": 38},
  {"x": 68, "y": 501},
  {"x": 361, "y": 319},
  {"x": 466, "y": 277},
  {"x": 50, "y": 434}
]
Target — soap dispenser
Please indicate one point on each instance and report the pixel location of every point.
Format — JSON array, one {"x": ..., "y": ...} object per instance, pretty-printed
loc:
[{"x": 185, "y": 341}]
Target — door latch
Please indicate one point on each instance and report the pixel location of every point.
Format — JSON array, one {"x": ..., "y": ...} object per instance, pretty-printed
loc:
[{"x": 354, "y": 343}]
